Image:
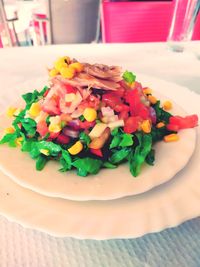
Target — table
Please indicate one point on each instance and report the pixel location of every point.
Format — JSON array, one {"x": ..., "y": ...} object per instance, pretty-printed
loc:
[{"x": 170, "y": 248}]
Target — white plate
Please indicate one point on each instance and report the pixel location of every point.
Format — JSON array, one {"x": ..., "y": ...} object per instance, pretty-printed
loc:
[
  {"x": 107, "y": 184},
  {"x": 165, "y": 206}
]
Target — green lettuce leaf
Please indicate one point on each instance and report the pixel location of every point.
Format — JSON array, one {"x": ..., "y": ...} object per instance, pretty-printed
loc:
[
  {"x": 87, "y": 165},
  {"x": 129, "y": 76},
  {"x": 138, "y": 156}
]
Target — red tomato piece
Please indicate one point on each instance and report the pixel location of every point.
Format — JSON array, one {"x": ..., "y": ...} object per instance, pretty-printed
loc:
[
  {"x": 132, "y": 97},
  {"x": 143, "y": 112},
  {"x": 63, "y": 139},
  {"x": 51, "y": 107},
  {"x": 70, "y": 89},
  {"x": 123, "y": 115},
  {"x": 42, "y": 128},
  {"x": 111, "y": 99},
  {"x": 173, "y": 127},
  {"x": 190, "y": 121},
  {"x": 121, "y": 107},
  {"x": 131, "y": 124},
  {"x": 96, "y": 152},
  {"x": 120, "y": 91},
  {"x": 86, "y": 124}
]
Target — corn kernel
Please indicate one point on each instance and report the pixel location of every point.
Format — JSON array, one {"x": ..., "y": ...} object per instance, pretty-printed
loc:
[
  {"x": 53, "y": 72},
  {"x": 76, "y": 148},
  {"x": 45, "y": 152},
  {"x": 146, "y": 126},
  {"x": 70, "y": 97},
  {"x": 17, "y": 111},
  {"x": 147, "y": 91},
  {"x": 171, "y": 138},
  {"x": 77, "y": 66},
  {"x": 10, "y": 111},
  {"x": 67, "y": 73},
  {"x": 152, "y": 99},
  {"x": 90, "y": 114},
  {"x": 18, "y": 141},
  {"x": 167, "y": 105},
  {"x": 9, "y": 130},
  {"x": 160, "y": 125},
  {"x": 34, "y": 110},
  {"x": 54, "y": 128},
  {"x": 59, "y": 64},
  {"x": 66, "y": 59}
]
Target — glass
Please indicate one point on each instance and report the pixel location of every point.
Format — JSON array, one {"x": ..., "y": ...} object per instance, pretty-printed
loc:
[{"x": 183, "y": 21}]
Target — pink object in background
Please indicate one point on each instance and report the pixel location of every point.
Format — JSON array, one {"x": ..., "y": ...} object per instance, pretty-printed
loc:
[{"x": 138, "y": 21}]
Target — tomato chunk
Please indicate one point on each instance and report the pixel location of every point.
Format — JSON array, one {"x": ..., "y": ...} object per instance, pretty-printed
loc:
[
  {"x": 111, "y": 99},
  {"x": 42, "y": 128},
  {"x": 179, "y": 122},
  {"x": 96, "y": 152},
  {"x": 131, "y": 124}
]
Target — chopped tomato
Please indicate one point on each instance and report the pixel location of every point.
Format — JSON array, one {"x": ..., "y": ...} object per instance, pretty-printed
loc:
[
  {"x": 96, "y": 152},
  {"x": 173, "y": 127},
  {"x": 111, "y": 99},
  {"x": 70, "y": 89},
  {"x": 42, "y": 128},
  {"x": 63, "y": 139},
  {"x": 51, "y": 107},
  {"x": 120, "y": 91},
  {"x": 137, "y": 108},
  {"x": 90, "y": 102},
  {"x": 143, "y": 112},
  {"x": 131, "y": 124},
  {"x": 179, "y": 122},
  {"x": 123, "y": 115},
  {"x": 86, "y": 124},
  {"x": 121, "y": 107}
]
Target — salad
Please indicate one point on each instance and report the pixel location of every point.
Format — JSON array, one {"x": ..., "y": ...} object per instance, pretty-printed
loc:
[{"x": 92, "y": 117}]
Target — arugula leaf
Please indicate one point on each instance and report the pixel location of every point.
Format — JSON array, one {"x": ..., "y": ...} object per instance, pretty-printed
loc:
[
  {"x": 48, "y": 120},
  {"x": 87, "y": 165},
  {"x": 158, "y": 134},
  {"x": 43, "y": 91},
  {"x": 30, "y": 98},
  {"x": 138, "y": 156},
  {"x": 81, "y": 118},
  {"x": 129, "y": 76},
  {"x": 41, "y": 162},
  {"x": 115, "y": 141},
  {"x": 84, "y": 138},
  {"x": 120, "y": 155},
  {"x": 114, "y": 132},
  {"x": 34, "y": 151},
  {"x": 29, "y": 125},
  {"x": 127, "y": 140},
  {"x": 53, "y": 149},
  {"x": 161, "y": 114},
  {"x": 10, "y": 139},
  {"x": 27, "y": 145},
  {"x": 65, "y": 161},
  {"x": 109, "y": 165},
  {"x": 150, "y": 158}
]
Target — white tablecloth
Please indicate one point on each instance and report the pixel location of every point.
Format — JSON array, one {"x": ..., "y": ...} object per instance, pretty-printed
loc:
[{"x": 173, "y": 247}]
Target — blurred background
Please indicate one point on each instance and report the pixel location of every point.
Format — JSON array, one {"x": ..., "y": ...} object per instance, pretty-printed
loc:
[{"x": 43, "y": 22}]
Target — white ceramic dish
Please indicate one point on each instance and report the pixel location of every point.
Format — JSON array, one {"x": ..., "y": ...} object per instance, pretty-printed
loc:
[
  {"x": 165, "y": 206},
  {"x": 107, "y": 184}
]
